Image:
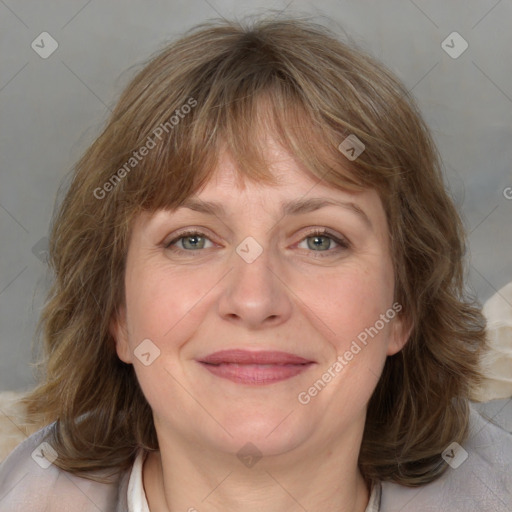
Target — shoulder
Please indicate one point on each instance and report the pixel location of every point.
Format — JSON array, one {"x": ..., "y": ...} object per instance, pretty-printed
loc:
[
  {"x": 479, "y": 476},
  {"x": 29, "y": 482}
]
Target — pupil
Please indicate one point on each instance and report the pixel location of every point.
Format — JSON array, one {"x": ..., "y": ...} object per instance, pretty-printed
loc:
[
  {"x": 317, "y": 241},
  {"x": 193, "y": 240}
]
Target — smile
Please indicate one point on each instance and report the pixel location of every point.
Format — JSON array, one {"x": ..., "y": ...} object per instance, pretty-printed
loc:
[{"x": 256, "y": 368}]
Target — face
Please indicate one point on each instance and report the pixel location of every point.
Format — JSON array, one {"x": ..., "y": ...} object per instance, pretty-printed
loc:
[{"x": 303, "y": 300}]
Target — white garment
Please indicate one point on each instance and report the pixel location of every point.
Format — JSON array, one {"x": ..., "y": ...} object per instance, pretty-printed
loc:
[
  {"x": 497, "y": 362},
  {"x": 137, "y": 501}
]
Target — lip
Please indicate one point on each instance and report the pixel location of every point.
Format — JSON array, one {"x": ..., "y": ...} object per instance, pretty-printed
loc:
[
  {"x": 255, "y": 367},
  {"x": 241, "y": 356}
]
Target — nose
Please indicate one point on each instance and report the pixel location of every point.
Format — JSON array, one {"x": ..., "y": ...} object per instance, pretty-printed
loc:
[{"x": 255, "y": 293}]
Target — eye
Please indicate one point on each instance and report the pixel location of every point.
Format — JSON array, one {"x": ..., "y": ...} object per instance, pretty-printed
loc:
[
  {"x": 190, "y": 241},
  {"x": 320, "y": 240}
]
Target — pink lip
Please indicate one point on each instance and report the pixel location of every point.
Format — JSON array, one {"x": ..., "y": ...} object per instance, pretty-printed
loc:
[
  {"x": 262, "y": 367},
  {"x": 258, "y": 357}
]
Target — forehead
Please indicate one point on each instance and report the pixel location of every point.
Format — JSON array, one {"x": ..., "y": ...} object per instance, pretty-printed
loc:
[
  {"x": 285, "y": 171},
  {"x": 292, "y": 181}
]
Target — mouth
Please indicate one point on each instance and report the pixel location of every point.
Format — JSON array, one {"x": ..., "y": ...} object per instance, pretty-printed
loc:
[{"x": 256, "y": 368}]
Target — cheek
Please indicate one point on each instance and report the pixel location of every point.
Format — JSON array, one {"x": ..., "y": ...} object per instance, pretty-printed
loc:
[
  {"x": 353, "y": 301},
  {"x": 358, "y": 338},
  {"x": 165, "y": 306},
  {"x": 161, "y": 307}
]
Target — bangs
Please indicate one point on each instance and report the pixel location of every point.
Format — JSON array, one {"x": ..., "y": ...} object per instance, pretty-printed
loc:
[{"x": 236, "y": 105}]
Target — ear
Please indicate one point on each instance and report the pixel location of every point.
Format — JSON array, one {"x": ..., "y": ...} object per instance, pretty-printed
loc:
[
  {"x": 401, "y": 330},
  {"x": 118, "y": 330}
]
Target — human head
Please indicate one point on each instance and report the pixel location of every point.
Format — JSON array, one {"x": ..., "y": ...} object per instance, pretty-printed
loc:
[{"x": 298, "y": 82}]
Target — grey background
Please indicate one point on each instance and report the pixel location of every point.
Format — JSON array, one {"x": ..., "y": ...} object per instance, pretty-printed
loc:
[{"x": 52, "y": 109}]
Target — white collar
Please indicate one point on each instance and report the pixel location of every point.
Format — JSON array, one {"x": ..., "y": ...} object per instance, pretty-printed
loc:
[{"x": 137, "y": 501}]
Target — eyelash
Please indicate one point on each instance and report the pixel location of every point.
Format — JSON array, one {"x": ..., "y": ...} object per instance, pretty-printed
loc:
[{"x": 342, "y": 243}]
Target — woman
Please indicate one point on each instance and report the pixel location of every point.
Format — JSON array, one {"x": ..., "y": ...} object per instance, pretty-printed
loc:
[{"x": 258, "y": 299}]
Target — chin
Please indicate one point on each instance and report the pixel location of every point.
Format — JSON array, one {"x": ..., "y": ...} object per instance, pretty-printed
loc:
[{"x": 269, "y": 434}]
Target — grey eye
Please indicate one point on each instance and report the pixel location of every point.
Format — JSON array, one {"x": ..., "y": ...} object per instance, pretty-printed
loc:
[
  {"x": 193, "y": 242},
  {"x": 189, "y": 242},
  {"x": 321, "y": 242}
]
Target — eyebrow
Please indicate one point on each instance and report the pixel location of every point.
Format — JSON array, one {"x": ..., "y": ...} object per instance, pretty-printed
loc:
[{"x": 295, "y": 207}]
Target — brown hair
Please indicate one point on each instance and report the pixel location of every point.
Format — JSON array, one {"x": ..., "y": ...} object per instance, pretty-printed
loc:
[{"x": 292, "y": 78}]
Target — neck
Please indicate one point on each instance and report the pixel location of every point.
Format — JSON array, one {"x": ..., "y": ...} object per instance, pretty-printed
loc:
[{"x": 186, "y": 476}]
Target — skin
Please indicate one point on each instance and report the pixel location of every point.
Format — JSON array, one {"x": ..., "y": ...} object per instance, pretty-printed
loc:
[{"x": 289, "y": 299}]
